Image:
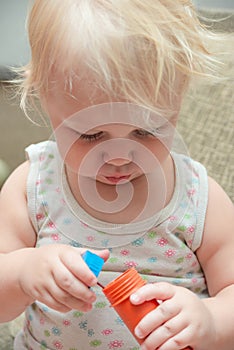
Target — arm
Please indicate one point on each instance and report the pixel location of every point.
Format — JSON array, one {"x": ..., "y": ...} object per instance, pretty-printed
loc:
[
  {"x": 16, "y": 232},
  {"x": 182, "y": 319},
  {"x": 216, "y": 257},
  {"x": 55, "y": 274}
]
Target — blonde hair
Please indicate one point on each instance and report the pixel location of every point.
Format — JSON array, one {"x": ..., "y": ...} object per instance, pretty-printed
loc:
[{"x": 134, "y": 49}]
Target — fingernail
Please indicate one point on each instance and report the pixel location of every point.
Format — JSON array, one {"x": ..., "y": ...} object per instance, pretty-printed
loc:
[
  {"x": 138, "y": 333},
  {"x": 135, "y": 297}
]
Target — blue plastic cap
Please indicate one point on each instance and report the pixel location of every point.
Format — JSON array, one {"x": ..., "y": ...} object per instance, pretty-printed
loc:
[{"x": 94, "y": 262}]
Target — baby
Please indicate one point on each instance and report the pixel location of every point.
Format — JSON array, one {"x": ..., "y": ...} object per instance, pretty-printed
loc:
[{"x": 111, "y": 76}]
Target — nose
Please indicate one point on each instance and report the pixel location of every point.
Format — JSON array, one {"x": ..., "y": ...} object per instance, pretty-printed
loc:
[
  {"x": 118, "y": 161},
  {"x": 118, "y": 153}
]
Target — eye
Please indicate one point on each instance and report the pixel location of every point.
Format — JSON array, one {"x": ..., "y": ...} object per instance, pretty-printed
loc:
[
  {"x": 91, "y": 137},
  {"x": 142, "y": 133}
]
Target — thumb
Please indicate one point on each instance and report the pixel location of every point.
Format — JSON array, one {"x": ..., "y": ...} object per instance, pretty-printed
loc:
[{"x": 160, "y": 291}]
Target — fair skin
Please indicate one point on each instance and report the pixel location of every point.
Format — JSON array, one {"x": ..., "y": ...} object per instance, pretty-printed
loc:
[
  {"x": 63, "y": 278},
  {"x": 63, "y": 108}
]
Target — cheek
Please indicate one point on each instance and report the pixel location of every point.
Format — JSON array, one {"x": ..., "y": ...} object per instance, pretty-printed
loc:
[
  {"x": 83, "y": 159},
  {"x": 159, "y": 149},
  {"x": 70, "y": 150},
  {"x": 74, "y": 157}
]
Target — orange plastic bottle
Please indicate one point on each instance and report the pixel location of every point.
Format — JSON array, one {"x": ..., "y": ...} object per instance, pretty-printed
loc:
[{"x": 118, "y": 293}]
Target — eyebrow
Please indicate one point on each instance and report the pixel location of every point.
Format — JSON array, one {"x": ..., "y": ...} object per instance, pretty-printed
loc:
[{"x": 80, "y": 126}]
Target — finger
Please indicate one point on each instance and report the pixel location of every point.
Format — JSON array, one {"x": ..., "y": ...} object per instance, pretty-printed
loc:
[
  {"x": 73, "y": 261},
  {"x": 70, "y": 286},
  {"x": 68, "y": 301},
  {"x": 181, "y": 340},
  {"x": 44, "y": 296},
  {"x": 104, "y": 253},
  {"x": 57, "y": 298},
  {"x": 162, "y": 334},
  {"x": 62, "y": 302},
  {"x": 157, "y": 318},
  {"x": 159, "y": 291}
]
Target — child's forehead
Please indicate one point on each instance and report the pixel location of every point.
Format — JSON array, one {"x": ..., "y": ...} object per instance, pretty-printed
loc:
[
  {"x": 87, "y": 107},
  {"x": 78, "y": 84},
  {"x": 109, "y": 115},
  {"x": 83, "y": 89}
]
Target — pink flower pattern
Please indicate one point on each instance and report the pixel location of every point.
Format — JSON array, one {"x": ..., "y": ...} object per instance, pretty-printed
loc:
[
  {"x": 191, "y": 229},
  {"x": 170, "y": 253},
  {"x": 130, "y": 264},
  {"x": 162, "y": 242},
  {"x": 51, "y": 224},
  {"x": 55, "y": 237},
  {"x": 40, "y": 216},
  {"x": 124, "y": 252},
  {"x": 58, "y": 345},
  {"x": 107, "y": 331},
  {"x": 90, "y": 238},
  {"x": 116, "y": 344},
  {"x": 189, "y": 256},
  {"x": 191, "y": 192},
  {"x": 67, "y": 322}
]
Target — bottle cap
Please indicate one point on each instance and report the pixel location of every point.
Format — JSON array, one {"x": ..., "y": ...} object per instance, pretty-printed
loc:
[{"x": 94, "y": 262}]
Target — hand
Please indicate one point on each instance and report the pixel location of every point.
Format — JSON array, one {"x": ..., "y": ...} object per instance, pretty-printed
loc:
[
  {"x": 181, "y": 320},
  {"x": 57, "y": 276}
]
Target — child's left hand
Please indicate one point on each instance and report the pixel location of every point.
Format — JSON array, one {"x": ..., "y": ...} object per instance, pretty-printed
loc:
[{"x": 181, "y": 320}]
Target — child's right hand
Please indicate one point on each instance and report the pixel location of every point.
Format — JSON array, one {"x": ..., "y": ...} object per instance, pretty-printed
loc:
[{"x": 57, "y": 276}]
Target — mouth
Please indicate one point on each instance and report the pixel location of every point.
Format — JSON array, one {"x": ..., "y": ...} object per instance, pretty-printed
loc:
[{"x": 116, "y": 179}]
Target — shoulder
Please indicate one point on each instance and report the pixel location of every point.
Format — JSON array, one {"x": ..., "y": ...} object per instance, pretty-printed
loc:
[
  {"x": 217, "y": 249},
  {"x": 17, "y": 180}
]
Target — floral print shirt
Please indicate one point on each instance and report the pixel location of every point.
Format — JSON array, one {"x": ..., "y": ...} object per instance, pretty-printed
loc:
[{"x": 161, "y": 248}]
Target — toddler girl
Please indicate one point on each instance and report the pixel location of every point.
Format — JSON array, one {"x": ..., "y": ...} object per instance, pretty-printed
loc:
[{"x": 111, "y": 75}]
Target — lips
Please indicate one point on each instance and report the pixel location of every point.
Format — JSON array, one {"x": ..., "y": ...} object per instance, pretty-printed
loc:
[{"x": 116, "y": 179}]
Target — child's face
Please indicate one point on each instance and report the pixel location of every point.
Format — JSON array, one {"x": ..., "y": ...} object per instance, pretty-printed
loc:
[{"x": 102, "y": 141}]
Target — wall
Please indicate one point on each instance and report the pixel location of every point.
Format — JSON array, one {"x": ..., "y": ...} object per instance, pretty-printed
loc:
[{"x": 215, "y": 4}]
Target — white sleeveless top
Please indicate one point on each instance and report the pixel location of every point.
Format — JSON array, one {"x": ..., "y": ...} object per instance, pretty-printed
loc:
[{"x": 161, "y": 248}]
